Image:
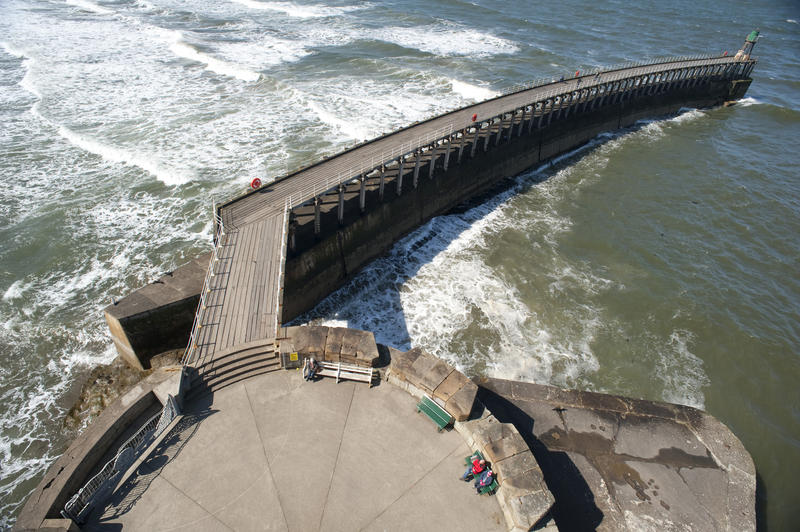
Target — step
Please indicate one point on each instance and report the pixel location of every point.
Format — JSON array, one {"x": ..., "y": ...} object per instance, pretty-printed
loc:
[
  {"x": 257, "y": 346},
  {"x": 233, "y": 363},
  {"x": 207, "y": 387}
]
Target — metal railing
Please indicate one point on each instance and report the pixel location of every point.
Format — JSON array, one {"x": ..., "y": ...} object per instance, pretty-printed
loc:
[
  {"x": 191, "y": 348},
  {"x": 101, "y": 485},
  {"x": 375, "y": 161}
]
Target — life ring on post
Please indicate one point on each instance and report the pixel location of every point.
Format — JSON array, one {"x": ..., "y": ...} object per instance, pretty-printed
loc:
[
  {"x": 255, "y": 183},
  {"x": 475, "y": 117}
]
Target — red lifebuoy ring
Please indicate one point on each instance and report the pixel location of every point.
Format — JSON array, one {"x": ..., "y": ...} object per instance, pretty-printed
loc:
[
  {"x": 255, "y": 183},
  {"x": 474, "y": 117}
]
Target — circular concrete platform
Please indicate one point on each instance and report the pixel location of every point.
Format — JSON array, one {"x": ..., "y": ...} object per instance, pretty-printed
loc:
[{"x": 277, "y": 453}]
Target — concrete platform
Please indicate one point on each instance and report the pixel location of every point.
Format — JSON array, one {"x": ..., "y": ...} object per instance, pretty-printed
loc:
[{"x": 277, "y": 453}]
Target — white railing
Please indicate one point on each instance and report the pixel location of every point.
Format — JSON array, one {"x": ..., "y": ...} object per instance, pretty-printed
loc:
[
  {"x": 100, "y": 486},
  {"x": 202, "y": 305}
]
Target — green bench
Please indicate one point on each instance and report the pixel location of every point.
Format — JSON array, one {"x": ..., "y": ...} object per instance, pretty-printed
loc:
[{"x": 439, "y": 415}]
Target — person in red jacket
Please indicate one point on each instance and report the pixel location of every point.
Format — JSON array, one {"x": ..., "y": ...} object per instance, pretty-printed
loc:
[{"x": 474, "y": 470}]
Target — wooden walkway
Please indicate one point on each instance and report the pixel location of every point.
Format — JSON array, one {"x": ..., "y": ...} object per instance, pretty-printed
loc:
[{"x": 244, "y": 296}]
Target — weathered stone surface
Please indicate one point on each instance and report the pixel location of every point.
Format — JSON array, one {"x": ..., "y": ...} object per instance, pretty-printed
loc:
[
  {"x": 461, "y": 404},
  {"x": 438, "y": 372},
  {"x": 308, "y": 341},
  {"x": 520, "y": 472},
  {"x": 333, "y": 343},
  {"x": 526, "y": 510},
  {"x": 616, "y": 463},
  {"x": 506, "y": 447},
  {"x": 450, "y": 385}
]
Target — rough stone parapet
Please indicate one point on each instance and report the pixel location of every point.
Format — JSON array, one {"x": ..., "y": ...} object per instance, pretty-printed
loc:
[
  {"x": 332, "y": 344},
  {"x": 432, "y": 376},
  {"x": 523, "y": 494}
]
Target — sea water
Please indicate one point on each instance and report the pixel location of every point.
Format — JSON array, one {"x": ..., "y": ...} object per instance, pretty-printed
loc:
[{"x": 658, "y": 262}]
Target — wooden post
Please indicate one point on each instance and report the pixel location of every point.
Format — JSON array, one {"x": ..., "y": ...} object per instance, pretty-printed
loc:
[
  {"x": 461, "y": 145},
  {"x": 447, "y": 153}
]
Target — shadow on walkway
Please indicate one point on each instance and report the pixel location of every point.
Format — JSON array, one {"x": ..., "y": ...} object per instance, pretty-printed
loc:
[{"x": 131, "y": 491}]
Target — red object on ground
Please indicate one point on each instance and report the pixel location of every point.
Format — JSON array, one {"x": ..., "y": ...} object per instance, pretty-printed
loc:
[
  {"x": 474, "y": 117},
  {"x": 577, "y": 73},
  {"x": 255, "y": 183}
]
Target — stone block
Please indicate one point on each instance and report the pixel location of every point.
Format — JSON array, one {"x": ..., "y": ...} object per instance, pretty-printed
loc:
[
  {"x": 308, "y": 341},
  {"x": 401, "y": 362},
  {"x": 528, "y": 509},
  {"x": 431, "y": 379},
  {"x": 421, "y": 366},
  {"x": 333, "y": 343},
  {"x": 506, "y": 447},
  {"x": 450, "y": 385},
  {"x": 460, "y": 405}
]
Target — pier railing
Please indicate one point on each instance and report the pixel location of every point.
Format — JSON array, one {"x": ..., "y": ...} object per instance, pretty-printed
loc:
[{"x": 191, "y": 348}]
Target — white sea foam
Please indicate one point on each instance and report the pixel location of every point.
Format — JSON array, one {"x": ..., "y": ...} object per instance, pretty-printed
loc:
[
  {"x": 472, "y": 92},
  {"x": 791, "y": 21},
  {"x": 15, "y": 290},
  {"x": 183, "y": 49},
  {"x": 119, "y": 155},
  {"x": 298, "y": 10},
  {"x": 748, "y": 101},
  {"x": 90, "y": 6},
  {"x": 447, "y": 40},
  {"x": 351, "y": 129},
  {"x": 681, "y": 372}
]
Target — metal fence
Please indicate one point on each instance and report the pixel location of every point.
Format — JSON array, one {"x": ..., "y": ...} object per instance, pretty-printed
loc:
[{"x": 97, "y": 489}]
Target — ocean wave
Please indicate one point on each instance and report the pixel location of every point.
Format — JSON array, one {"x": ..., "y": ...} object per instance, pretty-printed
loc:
[
  {"x": 119, "y": 155},
  {"x": 472, "y": 92},
  {"x": 183, "y": 49},
  {"x": 300, "y": 11},
  {"x": 90, "y": 6},
  {"x": 447, "y": 40}
]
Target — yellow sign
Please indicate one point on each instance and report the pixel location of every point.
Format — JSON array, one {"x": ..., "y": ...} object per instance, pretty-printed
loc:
[{"x": 293, "y": 357}]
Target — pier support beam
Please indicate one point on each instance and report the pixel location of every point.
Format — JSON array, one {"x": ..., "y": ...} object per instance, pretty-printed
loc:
[
  {"x": 416, "y": 166},
  {"x": 447, "y": 153},
  {"x": 432, "y": 165},
  {"x": 340, "y": 209},
  {"x": 461, "y": 145},
  {"x": 383, "y": 182},
  {"x": 400, "y": 175},
  {"x": 474, "y": 141},
  {"x": 317, "y": 201},
  {"x": 362, "y": 193}
]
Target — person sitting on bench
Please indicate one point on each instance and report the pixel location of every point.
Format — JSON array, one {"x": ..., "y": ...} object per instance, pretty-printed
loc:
[
  {"x": 485, "y": 479},
  {"x": 477, "y": 467},
  {"x": 310, "y": 368}
]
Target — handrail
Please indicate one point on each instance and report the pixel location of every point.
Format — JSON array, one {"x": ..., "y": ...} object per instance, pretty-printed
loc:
[{"x": 188, "y": 355}]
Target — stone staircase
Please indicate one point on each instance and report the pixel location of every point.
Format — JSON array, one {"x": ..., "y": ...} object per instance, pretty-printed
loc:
[{"x": 233, "y": 365}]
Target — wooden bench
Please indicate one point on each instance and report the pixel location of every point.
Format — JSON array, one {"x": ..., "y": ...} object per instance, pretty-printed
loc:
[
  {"x": 439, "y": 415},
  {"x": 350, "y": 372}
]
